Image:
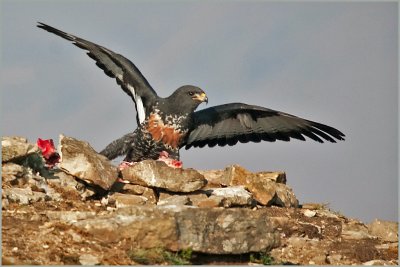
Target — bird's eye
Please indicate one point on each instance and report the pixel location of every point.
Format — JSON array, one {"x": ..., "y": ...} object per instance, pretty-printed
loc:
[{"x": 191, "y": 93}]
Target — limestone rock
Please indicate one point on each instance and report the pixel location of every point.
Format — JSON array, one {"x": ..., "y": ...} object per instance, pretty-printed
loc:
[
  {"x": 387, "y": 231},
  {"x": 284, "y": 196},
  {"x": 175, "y": 200},
  {"x": 125, "y": 200},
  {"x": 380, "y": 263},
  {"x": 11, "y": 171},
  {"x": 226, "y": 231},
  {"x": 79, "y": 159},
  {"x": 88, "y": 259},
  {"x": 277, "y": 177},
  {"x": 14, "y": 148},
  {"x": 133, "y": 189},
  {"x": 264, "y": 187},
  {"x": 69, "y": 187},
  {"x": 153, "y": 173},
  {"x": 233, "y": 196},
  {"x": 23, "y": 195},
  {"x": 225, "y": 177},
  {"x": 145, "y": 227},
  {"x": 309, "y": 213},
  {"x": 197, "y": 197},
  {"x": 70, "y": 216},
  {"x": 31, "y": 186},
  {"x": 4, "y": 203},
  {"x": 215, "y": 231},
  {"x": 216, "y": 177},
  {"x": 355, "y": 230},
  {"x": 211, "y": 202}
]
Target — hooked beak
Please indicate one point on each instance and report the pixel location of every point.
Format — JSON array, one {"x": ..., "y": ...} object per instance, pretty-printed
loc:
[{"x": 201, "y": 97}]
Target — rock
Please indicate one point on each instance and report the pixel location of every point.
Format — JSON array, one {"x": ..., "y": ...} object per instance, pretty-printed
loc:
[
  {"x": 334, "y": 259},
  {"x": 355, "y": 230},
  {"x": 145, "y": 227},
  {"x": 153, "y": 173},
  {"x": 79, "y": 159},
  {"x": 211, "y": 202},
  {"x": 197, "y": 197},
  {"x": 264, "y": 189},
  {"x": 233, "y": 196},
  {"x": 11, "y": 171},
  {"x": 4, "y": 203},
  {"x": 125, "y": 200},
  {"x": 284, "y": 196},
  {"x": 348, "y": 234},
  {"x": 134, "y": 189},
  {"x": 70, "y": 216},
  {"x": 15, "y": 148},
  {"x": 88, "y": 259},
  {"x": 379, "y": 263},
  {"x": 23, "y": 195},
  {"x": 387, "y": 231},
  {"x": 70, "y": 187},
  {"x": 215, "y": 231},
  {"x": 20, "y": 176},
  {"x": 226, "y": 231},
  {"x": 277, "y": 177},
  {"x": 225, "y": 177},
  {"x": 309, "y": 213},
  {"x": 318, "y": 260},
  {"x": 175, "y": 200},
  {"x": 216, "y": 177}
]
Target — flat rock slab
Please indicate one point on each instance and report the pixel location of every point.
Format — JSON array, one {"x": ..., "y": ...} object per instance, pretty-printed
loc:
[
  {"x": 14, "y": 148},
  {"x": 153, "y": 173},
  {"x": 206, "y": 230},
  {"x": 79, "y": 159},
  {"x": 232, "y": 196}
]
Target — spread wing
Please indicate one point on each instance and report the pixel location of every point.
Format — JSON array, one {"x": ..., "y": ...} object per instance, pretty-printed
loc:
[
  {"x": 236, "y": 122},
  {"x": 116, "y": 66}
]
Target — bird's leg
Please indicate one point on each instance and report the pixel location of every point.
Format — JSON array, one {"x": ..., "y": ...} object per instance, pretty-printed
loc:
[
  {"x": 125, "y": 164},
  {"x": 164, "y": 156}
]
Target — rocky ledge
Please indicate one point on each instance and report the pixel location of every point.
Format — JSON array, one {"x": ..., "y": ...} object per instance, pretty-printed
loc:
[{"x": 85, "y": 211}]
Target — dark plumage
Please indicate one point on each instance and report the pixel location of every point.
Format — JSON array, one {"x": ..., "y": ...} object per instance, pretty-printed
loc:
[{"x": 168, "y": 124}]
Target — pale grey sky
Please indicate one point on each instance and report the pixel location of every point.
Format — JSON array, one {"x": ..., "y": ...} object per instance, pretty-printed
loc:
[{"x": 334, "y": 63}]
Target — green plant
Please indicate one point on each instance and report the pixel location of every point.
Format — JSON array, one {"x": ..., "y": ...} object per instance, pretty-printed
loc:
[
  {"x": 160, "y": 255},
  {"x": 147, "y": 256},
  {"x": 261, "y": 257},
  {"x": 182, "y": 257}
]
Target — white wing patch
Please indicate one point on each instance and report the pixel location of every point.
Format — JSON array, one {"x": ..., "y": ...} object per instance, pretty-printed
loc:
[
  {"x": 140, "y": 108},
  {"x": 139, "y": 104}
]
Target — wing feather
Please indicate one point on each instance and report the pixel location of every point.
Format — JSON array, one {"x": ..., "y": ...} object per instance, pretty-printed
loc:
[
  {"x": 115, "y": 66},
  {"x": 236, "y": 122}
]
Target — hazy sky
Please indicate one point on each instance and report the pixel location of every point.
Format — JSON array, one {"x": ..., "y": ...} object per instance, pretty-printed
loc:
[{"x": 334, "y": 63}]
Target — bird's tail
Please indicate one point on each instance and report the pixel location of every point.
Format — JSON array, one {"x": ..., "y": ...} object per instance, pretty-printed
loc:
[{"x": 118, "y": 147}]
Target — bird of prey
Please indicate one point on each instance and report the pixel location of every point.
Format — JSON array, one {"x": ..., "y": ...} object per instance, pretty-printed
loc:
[{"x": 165, "y": 125}]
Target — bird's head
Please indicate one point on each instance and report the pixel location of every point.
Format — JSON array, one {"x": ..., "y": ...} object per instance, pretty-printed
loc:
[{"x": 189, "y": 96}]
